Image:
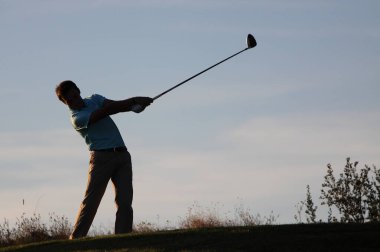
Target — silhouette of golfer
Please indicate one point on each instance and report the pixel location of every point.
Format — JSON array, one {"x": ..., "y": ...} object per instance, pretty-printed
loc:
[{"x": 109, "y": 158}]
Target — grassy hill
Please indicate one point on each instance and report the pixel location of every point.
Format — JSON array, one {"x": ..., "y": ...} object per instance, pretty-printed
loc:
[{"x": 302, "y": 237}]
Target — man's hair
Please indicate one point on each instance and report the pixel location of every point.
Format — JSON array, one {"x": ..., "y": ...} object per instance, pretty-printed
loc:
[{"x": 63, "y": 88}]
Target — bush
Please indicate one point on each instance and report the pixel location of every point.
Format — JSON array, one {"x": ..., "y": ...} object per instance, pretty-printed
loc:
[
  {"x": 201, "y": 218},
  {"x": 31, "y": 229},
  {"x": 145, "y": 227},
  {"x": 198, "y": 217},
  {"x": 355, "y": 194}
]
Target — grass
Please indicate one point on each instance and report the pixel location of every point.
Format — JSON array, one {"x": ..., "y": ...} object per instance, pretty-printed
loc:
[
  {"x": 298, "y": 237},
  {"x": 202, "y": 229},
  {"x": 31, "y": 229}
]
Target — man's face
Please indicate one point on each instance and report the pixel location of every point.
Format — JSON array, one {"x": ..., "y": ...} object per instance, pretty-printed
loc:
[{"x": 73, "y": 99}]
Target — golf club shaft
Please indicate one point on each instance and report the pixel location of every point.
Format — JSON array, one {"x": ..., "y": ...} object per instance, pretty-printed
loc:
[{"x": 192, "y": 77}]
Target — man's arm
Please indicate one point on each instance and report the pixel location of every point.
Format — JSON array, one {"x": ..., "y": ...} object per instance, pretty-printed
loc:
[{"x": 111, "y": 107}]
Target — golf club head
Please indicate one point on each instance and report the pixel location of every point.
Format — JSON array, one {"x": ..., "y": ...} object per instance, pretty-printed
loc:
[{"x": 251, "y": 41}]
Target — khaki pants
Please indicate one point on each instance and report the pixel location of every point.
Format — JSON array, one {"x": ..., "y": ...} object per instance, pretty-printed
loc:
[{"x": 104, "y": 166}]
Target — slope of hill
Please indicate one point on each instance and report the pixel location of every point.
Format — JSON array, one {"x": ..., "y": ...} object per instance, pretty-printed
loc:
[{"x": 302, "y": 237}]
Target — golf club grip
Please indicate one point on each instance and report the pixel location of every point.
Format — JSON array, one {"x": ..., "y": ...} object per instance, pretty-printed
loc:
[{"x": 192, "y": 77}]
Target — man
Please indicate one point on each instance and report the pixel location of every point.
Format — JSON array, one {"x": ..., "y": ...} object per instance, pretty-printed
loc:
[{"x": 109, "y": 158}]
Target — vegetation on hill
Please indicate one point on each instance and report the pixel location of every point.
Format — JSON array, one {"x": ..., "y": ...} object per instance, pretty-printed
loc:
[
  {"x": 301, "y": 237},
  {"x": 353, "y": 224},
  {"x": 353, "y": 196}
]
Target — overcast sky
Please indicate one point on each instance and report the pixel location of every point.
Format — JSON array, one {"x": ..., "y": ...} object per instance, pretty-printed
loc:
[{"x": 253, "y": 131}]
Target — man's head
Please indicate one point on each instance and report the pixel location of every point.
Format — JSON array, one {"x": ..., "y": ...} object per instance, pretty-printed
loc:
[{"x": 68, "y": 92}]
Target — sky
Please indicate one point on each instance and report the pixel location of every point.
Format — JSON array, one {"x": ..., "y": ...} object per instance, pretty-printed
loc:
[{"x": 252, "y": 132}]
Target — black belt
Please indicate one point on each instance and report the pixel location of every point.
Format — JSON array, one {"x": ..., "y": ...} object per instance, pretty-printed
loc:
[{"x": 116, "y": 149}]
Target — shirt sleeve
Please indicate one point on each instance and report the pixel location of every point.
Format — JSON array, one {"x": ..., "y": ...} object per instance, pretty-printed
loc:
[
  {"x": 80, "y": 120},
  {"x": 98, "y": 99}
]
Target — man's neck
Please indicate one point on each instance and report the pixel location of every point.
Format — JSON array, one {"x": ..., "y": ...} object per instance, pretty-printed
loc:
[{"x": 78, "y": 106}]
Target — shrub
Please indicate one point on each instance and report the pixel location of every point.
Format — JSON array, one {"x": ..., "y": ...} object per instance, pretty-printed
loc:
[
  {"x": 32, "y": 229},
  {"x": 245, "y": 217},
  {"x": 145, "y": 227},
  {"x": 310, "y": 209},
  {"x": 198, "y": 217},
  {"x": 355, "y": 194},
  {"x": 60, "y": 227}
]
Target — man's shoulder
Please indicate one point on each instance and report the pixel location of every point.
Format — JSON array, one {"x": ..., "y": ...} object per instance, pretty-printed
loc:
[
  {"x": 91, "y": 102},
  {"x": 95, "y": 97}
]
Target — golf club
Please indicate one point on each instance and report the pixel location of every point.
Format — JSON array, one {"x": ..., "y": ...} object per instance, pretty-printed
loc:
[{"x": 251, "y": 42}]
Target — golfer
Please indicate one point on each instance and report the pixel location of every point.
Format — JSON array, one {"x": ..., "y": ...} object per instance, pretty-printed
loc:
[{"x": 109, "y": 158}]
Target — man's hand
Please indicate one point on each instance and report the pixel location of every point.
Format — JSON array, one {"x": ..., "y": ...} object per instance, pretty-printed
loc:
[{"x": 141, "y": 103}]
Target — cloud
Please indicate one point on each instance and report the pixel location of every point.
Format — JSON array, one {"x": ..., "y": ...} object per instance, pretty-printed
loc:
[
  {"x": 35, "y": 158},
  {"x": 40, "y": 143},
  {"x": 314, "y": 134}
]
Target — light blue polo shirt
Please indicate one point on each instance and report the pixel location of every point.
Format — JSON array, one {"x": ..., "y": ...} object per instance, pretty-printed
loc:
[{"x": 102, "y": 134}]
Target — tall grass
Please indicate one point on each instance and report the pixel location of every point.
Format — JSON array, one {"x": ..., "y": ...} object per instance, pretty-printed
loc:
[
  {"x": 201, "y": 217},
  {"x": 33, "y": 229}
]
